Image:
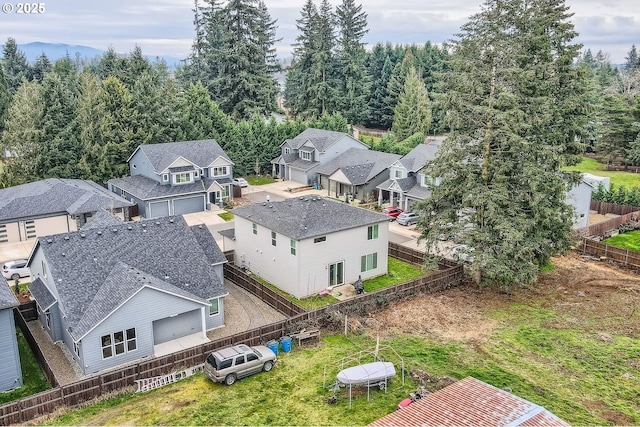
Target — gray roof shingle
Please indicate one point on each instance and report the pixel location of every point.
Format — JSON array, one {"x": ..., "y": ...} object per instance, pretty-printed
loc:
[
  {"x": 7, "y": 297},
  {"x": 201, "y": 153},
  {"x": 309, "y": 216},
  {"x": 101, "y": 219},
  {"x": 415, "y": 160},
  {"x": 83, "y": 262},
  {"x": 146, "y": 188},
  {"x": 359, "y": 164},
  {"x": 321, "y": 139},
  {"x": 41, "y": 294},
  {"x": 55, "y": 195}
]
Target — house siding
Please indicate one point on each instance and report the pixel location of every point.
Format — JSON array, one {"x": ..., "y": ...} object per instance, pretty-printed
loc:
[
  {"x": 16, "y": 231},
  {"x": 143, "y": 167},
  {"x": 580, "y": 198},
  {"x": 10, "y": 370},
  {"x": 306, "y": 273},
  {"x": 139, "y": 312}
]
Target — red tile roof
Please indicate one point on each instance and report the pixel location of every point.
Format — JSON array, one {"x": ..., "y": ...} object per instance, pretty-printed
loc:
[{"x": 471, "y": 402}]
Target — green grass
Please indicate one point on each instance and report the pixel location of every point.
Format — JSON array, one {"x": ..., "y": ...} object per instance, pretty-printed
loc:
[
  {"x": 398, "y": 272},
  {"x": 227, "y": 216},
  {"x": 371, "y": 141},
  {"x": 630, "y": 240},
  {"x": 260, "y": 180},
  {"x": 32, "y": 377},
  {"x": 618, "y": 178}
]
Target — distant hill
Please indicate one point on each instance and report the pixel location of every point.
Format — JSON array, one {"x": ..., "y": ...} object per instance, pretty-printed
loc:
[{"x": 56, "y": 51}]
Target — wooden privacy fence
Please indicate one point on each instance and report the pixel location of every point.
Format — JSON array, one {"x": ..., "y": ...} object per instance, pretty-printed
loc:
[
  {"x": 601, "y": 228},
  {"x": 611, "y": 253},
  {"x": 604, "y": 208},
  {"x": 20, "y": 411}
]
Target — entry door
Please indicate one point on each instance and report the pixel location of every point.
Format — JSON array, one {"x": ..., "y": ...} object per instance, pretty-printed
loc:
[{"x": 336, "y": 274}]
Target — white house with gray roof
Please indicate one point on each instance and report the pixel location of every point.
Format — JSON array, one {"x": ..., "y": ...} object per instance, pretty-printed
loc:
[
  {"x": 302, "y": 155},
  {"x": 10, "y": 368},
  {"x": 176, "y": 178},
  {"x": 112, "y": 294},
  {"x": 356, "y": 173},
  {"x": 306, "y": 244},
  {"x": 52, "y": 206},
  {"x": 407, "y": 181}
]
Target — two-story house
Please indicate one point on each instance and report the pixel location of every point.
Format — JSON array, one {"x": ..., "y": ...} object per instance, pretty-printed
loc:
[
  {"x": 306, "y": 244},
  {"x": 176, "y": 178},
  {"x": 54, "y": 205},
  {"x": 407, "y": 181},
  {"x": 300, "y": 156},
  {"x": 119, "y": 292}
]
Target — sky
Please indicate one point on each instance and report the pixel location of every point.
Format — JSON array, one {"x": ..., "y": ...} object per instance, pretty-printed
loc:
[{"x": 165, "y": 27}]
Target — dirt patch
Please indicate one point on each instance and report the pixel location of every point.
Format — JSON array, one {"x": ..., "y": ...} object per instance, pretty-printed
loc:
[{"x": 583, "y": 289}]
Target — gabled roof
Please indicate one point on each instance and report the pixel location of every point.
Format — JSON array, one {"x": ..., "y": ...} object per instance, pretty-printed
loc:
[
  {"x": 359, "y": 165},
  {"x": 201, "y": 153},
  {"x": 85, "y": 263},
  {"x": 310, "y": 216},
  {"x": 320, "y": 139},
  {"x": 54, "y": 196},
  {"x": 146, "y": 188},
  {"x": 41, "y": 294},
  {"x": 101, "y": 219},
  {"x": 471, "y": 402},
  {"x": 7, "y": 297},
  {"x": 415, "y": 159}
]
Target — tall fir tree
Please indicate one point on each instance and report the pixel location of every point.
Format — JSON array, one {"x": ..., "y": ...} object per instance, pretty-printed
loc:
[
  {"x": 413, "y": 111},
  {"x": 5, "y": 99},
  {"x": 632, "y": 60},
  {"x": 516, "y": 106},
  {"x": 16, "y": 67},
  {"x": 351, "y": 57},
  {"x": 41, "y": 67}
]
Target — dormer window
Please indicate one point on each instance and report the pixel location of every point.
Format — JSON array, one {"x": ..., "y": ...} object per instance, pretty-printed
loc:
[
  {"x": 305, "y": 155},
  {"x": 182, "y": 178},
  {"x": 220, "y": 171},
  {"x": 398, "y": 174},
  {"x": 287, "y": 150}
]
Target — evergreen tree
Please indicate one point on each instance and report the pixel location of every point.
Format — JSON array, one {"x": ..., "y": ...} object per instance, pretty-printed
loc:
[
  {"x": 23, "y": 135},
  {"x": 632, "y": 59},
  {"x": 41, "y": 67},
  {"x": 516, "y": 109},
  {"x": 201, "y": 118},
  {"x": 351, "y": 56},
  {"x": 396, "y": 84},
  {"x": 15, "y": 65},
  {"x": 413, "y": 112},
  {"x": 90, "y": 113},
  {"x": 5, "y": 99},
  {"x": 379, "y": 69},
  {"x": 157, "y": 105}
]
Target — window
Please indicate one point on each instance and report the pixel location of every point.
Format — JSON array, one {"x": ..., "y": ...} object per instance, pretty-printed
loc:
[
  {"x": 220, "y": 170},
  {"x": 398, "y": 174},
  {"x": 369, "y": 262},
  {"x": 196, "y": 173},
  {"x": 239, "y": 360},
  {"x": 181, "y": 178},
  {"x": 305, "y": 155},
  {"x": 76, "y": 348},
  {"x": 47, "y": 317},
  {"x": 255, "y": 228},
  {"x": 372, "y": 232},
  {"x": 214, "y": 308},
  {"x": 165, "y": 177},
  {"x": 287, "y": 150},
  {"x": 44, "y": 269},
  {"x": 273, "y": 238},
  {"x": 225, "y": 191},
  {"x": 251, "y": 357},
  {"x": 293, "y": 247},
  {"x": 320, "y": 239},
  {"x": 118, "y": 343}
]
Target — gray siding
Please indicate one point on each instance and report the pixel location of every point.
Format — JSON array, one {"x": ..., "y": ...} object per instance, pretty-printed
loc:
[
  {"x": 143, "y": 167},
  {"x": 139, "y": 312},
  {"x": 55, "y": 326},
  {"x": 10, "y": 371},
  {"x": 217, "y": 320},
  {"x": 171, "y": 328}
]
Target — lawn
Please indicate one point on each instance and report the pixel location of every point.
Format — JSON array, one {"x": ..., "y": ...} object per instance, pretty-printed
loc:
[
  {"x": 260, "y": 180},
  {"x": 32, "y": 377},
  {"x": 630, "y": 240},
  {"x": 618, "y": 178},
  {"x": 227, "y": 216},
  {"x": 398, "y": 272}
]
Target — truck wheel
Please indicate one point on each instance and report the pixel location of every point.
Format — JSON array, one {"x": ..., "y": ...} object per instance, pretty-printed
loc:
[
  {"x": 230, "y": 379},
  {"x": 268, "y": 365}
]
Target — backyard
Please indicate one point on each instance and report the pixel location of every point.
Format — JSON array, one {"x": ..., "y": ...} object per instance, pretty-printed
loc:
[
  {"x": 571, "y": 343},
  {"x": 618, "y": 178},
  {"x": 630, "y": 240}
]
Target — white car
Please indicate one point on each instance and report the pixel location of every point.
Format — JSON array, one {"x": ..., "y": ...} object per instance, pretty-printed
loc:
[
  {"x": 240, "y": 182},
  {"x": 15, "y": 269}
]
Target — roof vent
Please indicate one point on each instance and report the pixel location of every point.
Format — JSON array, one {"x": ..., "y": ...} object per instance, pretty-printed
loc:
[
  {"x": 83, "y": 235},
  {"x": 200, "y": 226},
  {"x": 99, "y": 232},
  {"x": 66, "y": 237},
  {"x": 49, "y": 240},
  {"x": 157, "y": 222},
  {"x": 144, "y": 225},
  {"x": 115, "y": 230},
  {"x": 129, "y": 227},
  {"x": 171, "y": 220},
  {"x": 63, "y": 254}
]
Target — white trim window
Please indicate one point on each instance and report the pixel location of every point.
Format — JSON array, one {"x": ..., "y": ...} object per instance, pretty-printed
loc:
[
  {"x": 76, "y": 348},
  {"x": 214, "y": 308},
  {"x": 273, "y": 238},
  {"x": 398, "y": 174},
  {"x": 165, "y": 177},
  {"x": 220, "y": 170},
  {"x": 182, "y": 178},
  {"x": 372, "y": 232},
  {"x": 305, "y": 155},
  {"x": 368, "y": 262},
  {"x": 254, "y": 228},
  {"x": 293, "y": 247},
  {"x": 119, "y": 342}
]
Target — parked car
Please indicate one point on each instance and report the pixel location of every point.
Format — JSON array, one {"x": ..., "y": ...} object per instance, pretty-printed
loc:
[
  {"x": 231, "y": 363},
  {"x": 240, "y": 182},
  {"x": 15, "y": 269},
  {"x": 392, "y": 212},
  {"x": 408, "y": 218}
]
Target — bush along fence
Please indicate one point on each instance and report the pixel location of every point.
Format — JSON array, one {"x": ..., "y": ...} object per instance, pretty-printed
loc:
[{"x": 20, "y": 411}]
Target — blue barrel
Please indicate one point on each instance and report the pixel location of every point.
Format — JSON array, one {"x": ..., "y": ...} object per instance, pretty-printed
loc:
[
  {"x": 286, "y": 344},
  {"x": 273, "y": 345}
]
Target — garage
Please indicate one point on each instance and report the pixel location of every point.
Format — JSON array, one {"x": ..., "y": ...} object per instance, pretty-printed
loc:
[
  {"x": 175, "y": 327},
  {"x": 188, "y": 205},
  {"x": 158, "y": 209}
]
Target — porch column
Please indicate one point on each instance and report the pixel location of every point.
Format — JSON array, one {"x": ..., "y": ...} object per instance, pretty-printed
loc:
[
  {"x": 204, "y": 321},
  {"x": 379, "y": 197}
]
